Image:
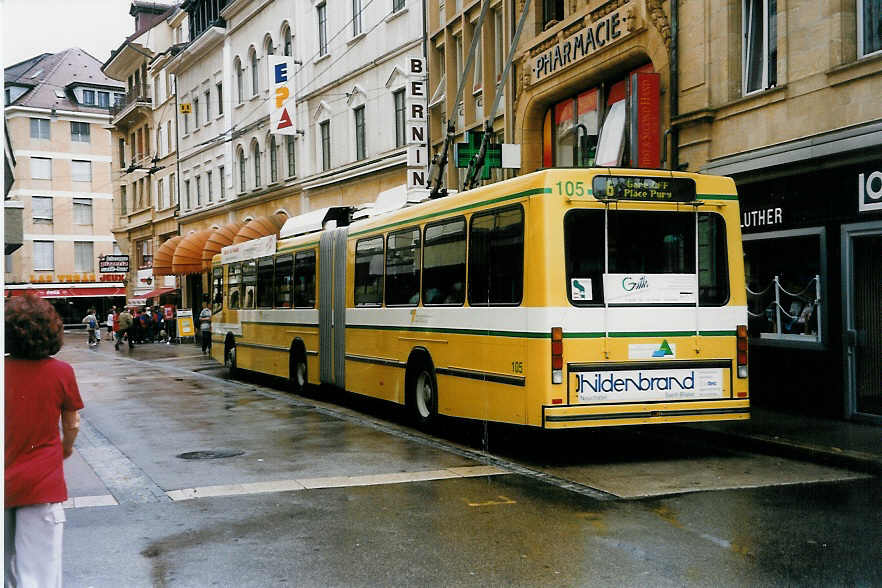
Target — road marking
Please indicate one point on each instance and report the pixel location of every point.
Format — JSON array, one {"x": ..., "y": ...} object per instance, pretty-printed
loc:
[
  {"x": 502, "y": 500},
  {"x": 88, "y": 501},
  {"x": 332, "y": 482}
]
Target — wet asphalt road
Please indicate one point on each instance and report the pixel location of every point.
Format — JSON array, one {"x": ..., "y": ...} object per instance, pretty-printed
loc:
[{"x": 345, "y": 493}]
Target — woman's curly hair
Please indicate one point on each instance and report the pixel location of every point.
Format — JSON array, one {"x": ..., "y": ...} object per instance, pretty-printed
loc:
[{"x": 33, "y": 328}]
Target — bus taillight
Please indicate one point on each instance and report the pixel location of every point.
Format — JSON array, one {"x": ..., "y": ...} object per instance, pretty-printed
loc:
[
  {"x": 556, "y": 355},
  {"x": 741, "y": 333}
]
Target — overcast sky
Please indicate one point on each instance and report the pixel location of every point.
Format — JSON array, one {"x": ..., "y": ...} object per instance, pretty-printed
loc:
[{"x": 31, "y": 27}]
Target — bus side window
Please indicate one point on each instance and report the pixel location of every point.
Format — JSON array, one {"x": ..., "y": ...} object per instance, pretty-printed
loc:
[
  {"x": 304, "y": 279},
  {"x": 444, "y": 263},
  {"x": 283, "y": 281},
  {"x": 496, "y": 257},
  {"x": 369, "y": 272},
  {"x": 235, "y": 278},
  {"x": 265, "y": 283},
  {"x": 249, "y": 281},
  {"x": 217, "y": 299},
  {"x": 403, "y": 268}
]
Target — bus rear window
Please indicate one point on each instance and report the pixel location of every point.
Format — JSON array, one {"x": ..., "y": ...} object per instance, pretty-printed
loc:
[{"x": 644, "y": 242}]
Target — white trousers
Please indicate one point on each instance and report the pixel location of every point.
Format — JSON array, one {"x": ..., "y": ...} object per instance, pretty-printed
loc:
[{"x": 32, "y": 545}]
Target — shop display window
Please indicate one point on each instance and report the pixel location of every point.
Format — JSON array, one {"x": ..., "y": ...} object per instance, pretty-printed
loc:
[{"x": 785, "y": 283}]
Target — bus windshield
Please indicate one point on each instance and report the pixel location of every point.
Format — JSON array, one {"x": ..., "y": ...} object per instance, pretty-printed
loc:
[{"x": 645, "y": 242}]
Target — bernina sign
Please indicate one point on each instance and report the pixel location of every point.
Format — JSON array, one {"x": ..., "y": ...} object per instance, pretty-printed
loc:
[{"x": 606, "y": 30}]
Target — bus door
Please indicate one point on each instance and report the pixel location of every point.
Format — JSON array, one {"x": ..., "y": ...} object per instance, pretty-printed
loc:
[{"x": 332, "y": 306}]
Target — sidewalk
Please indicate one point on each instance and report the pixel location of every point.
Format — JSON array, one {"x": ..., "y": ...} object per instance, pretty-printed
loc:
[{"x": 846, "y": 444}]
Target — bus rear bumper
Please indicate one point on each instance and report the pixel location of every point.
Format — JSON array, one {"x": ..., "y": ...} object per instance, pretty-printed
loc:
[{"x": 606, "y": 415}]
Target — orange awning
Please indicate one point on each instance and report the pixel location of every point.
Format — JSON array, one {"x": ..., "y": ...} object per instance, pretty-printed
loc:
[
  {"x": 162, "y": 261},
  {"x": 188, "y": 254},
  {"x": 260, "y": 227},
  {"x": 219, "y": 238}
]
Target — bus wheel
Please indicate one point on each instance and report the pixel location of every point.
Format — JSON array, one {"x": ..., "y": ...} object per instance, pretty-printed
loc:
[
  {"x": 424, "y": 396},
  {"x": 297, "y": 372}
]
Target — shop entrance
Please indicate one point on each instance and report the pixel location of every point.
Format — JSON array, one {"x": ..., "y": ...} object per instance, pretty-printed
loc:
[{"x": 862, "y": 301}]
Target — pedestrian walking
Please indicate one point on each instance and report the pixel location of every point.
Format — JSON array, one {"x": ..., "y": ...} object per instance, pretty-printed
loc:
[
  {"x": 110, "y": 317},
  {"x": 170, "y": 323},
  {"x": 205, "y": 327},
  {"x": 126, "y": 328},
  {"x": 146, "y": 326},
  {"x": 91, "y": 322},
  {"x": 40, "y": 392}
]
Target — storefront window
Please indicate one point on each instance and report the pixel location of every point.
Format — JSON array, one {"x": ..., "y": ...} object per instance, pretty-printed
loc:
[
  {"x": 784, "y": 272},
  {"x": 589, "y": 129}
]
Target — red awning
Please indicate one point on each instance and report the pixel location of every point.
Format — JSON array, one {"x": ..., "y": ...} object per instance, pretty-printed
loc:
[
  {"x": 218, "y": 240},
  {"x": 68, "y": 292},
  {"x": 162, "y": 259},
  {"x": 158, "y": 292}
]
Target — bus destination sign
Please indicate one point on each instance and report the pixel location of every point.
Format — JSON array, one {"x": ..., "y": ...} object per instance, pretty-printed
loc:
[{"x": 644, "y": 188}]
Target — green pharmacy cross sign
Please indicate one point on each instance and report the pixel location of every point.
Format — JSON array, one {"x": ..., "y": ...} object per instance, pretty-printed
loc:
[{"x": 465, "y": 152}]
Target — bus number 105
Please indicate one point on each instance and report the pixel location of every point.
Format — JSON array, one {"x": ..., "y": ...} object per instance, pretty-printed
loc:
[
  {"x": 571, "y": 188},
  {"x": 517, "y": 367}
]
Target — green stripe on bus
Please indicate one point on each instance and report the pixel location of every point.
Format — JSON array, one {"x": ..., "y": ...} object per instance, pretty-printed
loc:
[
  {"x": 449, "y": 331},
  {"x": 529, "y": 335},
  {"x": 286, "y": 247},
  {"x": 717, "y": 196},
  {"x": 525, "y": 193},
  {"x": 654, "y": 334}
]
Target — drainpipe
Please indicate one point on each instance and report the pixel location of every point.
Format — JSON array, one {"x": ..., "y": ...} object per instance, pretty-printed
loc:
[{"x": 675, "y": 84}]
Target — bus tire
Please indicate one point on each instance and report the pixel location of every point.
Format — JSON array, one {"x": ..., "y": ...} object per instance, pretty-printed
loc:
[
  {"x": 422, "y": 397},
  {"x": 297, "y": 370},
  {"x": 230, "y": 357}
]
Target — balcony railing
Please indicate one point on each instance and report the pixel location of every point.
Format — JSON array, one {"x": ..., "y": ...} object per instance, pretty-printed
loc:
[{"x": 142, "y": 94}]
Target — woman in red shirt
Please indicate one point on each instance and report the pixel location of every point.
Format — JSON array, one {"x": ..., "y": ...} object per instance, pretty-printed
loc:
[{"x": 40, "y": 390}]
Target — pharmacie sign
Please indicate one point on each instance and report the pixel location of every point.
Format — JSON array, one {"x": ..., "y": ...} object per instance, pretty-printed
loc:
[{"x": 609, "y": 29}]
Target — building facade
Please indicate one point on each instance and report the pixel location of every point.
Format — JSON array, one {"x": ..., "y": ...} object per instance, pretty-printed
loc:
[
  {"x": 349, "y": 70},
  {"x": 145, "y": 149},
  {"x": 57, "y": 110}
]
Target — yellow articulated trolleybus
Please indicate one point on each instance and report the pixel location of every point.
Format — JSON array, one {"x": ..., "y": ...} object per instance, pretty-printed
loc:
[{"x": 558, "y": 299}]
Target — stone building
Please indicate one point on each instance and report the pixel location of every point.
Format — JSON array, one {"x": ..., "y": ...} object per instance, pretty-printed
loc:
[
  {"x": 145, "y": 148},
  {"x": 238, "y": 181},
  {"x": 57, "y": 107}
]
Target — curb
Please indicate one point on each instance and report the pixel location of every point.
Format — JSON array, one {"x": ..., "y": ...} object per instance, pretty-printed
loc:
[{"x": 772, "y": 445}]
